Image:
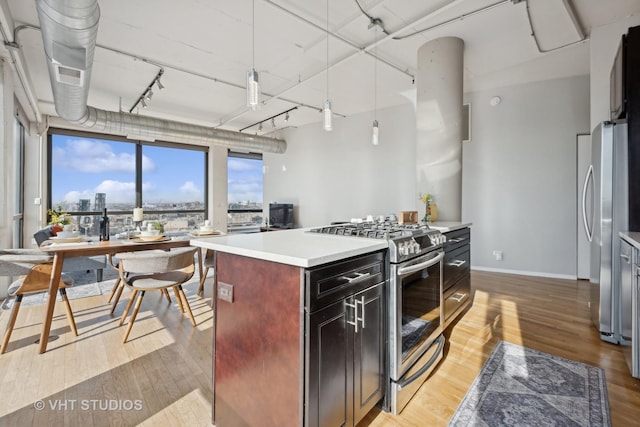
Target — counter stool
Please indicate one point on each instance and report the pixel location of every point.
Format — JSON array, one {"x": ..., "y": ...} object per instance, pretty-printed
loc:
[{"x": 37, "y": 280}]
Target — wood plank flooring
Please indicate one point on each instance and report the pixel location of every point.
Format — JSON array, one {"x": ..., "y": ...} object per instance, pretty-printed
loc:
[{"x": 162, "y": 376}]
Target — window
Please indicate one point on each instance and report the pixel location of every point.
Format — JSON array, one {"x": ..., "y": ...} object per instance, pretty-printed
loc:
[
  {"x": 245, "y": 184},
  {"x": 91, "y": 172}
]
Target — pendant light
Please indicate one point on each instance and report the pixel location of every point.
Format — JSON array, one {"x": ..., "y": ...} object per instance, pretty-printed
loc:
[
  {"x": 253, "y": 84},
  {"x": 328, "y": 117},
  {"x": 375, "y": 131}
]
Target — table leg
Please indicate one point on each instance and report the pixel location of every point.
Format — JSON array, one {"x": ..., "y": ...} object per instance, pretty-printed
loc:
[
  {"x": 201, "y": 253},
  {"x": 54, "y": 282}
]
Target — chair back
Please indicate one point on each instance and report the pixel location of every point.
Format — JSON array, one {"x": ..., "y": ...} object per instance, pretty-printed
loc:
[
  {"x": 157, "y": 261},
  {"x": 43, "y": 235}
]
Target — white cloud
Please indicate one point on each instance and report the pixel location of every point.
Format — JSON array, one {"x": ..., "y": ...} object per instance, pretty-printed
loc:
[
  {"x": 89, "y": 156},
  {"x": 190, "y": 190}
]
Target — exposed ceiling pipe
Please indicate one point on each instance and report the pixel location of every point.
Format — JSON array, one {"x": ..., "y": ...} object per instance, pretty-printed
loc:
[{"x": 69, "y": 29}]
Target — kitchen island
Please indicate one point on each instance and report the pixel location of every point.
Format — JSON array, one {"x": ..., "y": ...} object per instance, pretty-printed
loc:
[{"x": 263, "y": 359}]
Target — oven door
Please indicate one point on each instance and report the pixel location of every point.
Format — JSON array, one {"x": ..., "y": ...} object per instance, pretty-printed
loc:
[{"x": 415, "y": 319}]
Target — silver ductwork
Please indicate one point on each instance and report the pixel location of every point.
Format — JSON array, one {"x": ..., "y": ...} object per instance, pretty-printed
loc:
[
  {"x": 69, "y": 31},
  {"x": 149, "y": 128}
]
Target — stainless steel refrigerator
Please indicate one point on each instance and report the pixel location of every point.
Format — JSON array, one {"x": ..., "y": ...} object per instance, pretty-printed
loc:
[{"x": 605, "y": 208}]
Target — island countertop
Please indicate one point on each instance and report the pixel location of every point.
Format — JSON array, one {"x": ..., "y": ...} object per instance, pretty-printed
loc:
[{"x": 296, "y": 247}]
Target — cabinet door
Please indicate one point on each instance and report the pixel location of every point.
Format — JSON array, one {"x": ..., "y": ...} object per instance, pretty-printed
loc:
[
  {"x": 330, "y": 367},
  {"x": 368, "y": 358}
]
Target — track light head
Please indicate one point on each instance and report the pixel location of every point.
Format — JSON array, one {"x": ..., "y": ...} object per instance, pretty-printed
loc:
[
  {"x": 148, "y": 95},
  {"x": 144, "y": 104},
  {"x": 160, "y": 86}
]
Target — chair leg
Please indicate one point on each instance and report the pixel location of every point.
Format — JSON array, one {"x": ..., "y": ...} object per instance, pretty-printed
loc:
[
  {"x": 186, "y": 304},
  {"x": 166, "y": 294},
  {"x": 128, "y": 307},
  {"x": 113, "y": 291},
  {"x": 117, "y": 296},
  {"x": 202, "y": 280},
  {"x": 133, "y": 315},
  {"x": 12, "y": 322},
  {"x": 175, "y": 291},
  {"x": 67, "y": 306}
]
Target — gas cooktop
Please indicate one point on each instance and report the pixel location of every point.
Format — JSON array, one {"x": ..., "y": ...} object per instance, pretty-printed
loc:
[{"x": 405, "y": 240}]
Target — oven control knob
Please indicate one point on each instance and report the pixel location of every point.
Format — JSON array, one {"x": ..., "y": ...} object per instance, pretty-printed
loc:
[{"x": 402, "y": 248}]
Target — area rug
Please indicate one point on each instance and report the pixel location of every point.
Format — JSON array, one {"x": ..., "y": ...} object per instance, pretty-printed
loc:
[{"x": 518, "y": 386}]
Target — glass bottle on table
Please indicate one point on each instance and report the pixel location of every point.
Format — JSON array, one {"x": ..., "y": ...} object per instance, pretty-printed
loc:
[{"x": 104, "y": 226}]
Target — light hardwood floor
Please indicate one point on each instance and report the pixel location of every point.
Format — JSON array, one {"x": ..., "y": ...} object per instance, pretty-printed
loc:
[{"x": 163, "y": 375}]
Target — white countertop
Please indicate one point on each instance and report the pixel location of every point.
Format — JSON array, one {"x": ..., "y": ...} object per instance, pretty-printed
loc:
[
  {"x": 446, "y": 226},
  {"x": 632, "y": 237},
  {"x": 295, "y": 247}
]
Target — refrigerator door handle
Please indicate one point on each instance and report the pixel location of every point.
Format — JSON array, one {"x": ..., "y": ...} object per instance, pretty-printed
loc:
[{"x": 584, "y": 203}]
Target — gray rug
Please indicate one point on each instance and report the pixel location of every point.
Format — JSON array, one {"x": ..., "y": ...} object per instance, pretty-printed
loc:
[{"x": 518, "y": 386}]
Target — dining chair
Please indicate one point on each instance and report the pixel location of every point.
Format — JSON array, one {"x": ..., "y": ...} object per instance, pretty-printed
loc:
[
  {"x": 207, "y": 263},
  {"x": 118, "y": 286},
  {"x": 37, "y": 280},
  {"x": 144, "y": 271}
]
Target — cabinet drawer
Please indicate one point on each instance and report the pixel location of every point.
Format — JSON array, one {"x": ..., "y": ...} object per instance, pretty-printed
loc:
[
  {"x": 456, "y": 298},
  {"x": 335, "y": 281},
  {"x": 456, "y": 264},
  {"x": 457, "y": 238}
]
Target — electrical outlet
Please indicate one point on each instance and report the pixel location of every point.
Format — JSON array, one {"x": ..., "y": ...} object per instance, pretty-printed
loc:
[
  {"x": 225, "y": 292},
  {"x": 498, "y": 254},
  {"x": 37, "y": 201}
]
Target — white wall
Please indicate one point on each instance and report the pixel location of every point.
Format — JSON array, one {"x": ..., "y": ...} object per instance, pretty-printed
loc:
[
  {"x": 333, "y": 176},
  {"x": 518, "y": 173}
]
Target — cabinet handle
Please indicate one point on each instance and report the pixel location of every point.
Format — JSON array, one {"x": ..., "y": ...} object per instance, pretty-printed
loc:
[
  {"x": 361, "y": 310},
  {"x": 458, "y": 296},
  {"x": 625, "y": 257},
  {"x": 457, "y": 240},
  {"x": 358, "y": 277},
  {"x": 355, "y": 317},
  {"x": 457, "y": 263}
]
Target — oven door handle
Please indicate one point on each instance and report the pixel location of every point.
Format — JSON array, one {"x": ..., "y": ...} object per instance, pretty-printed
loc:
[
  {"x": 402, "y": 271},
  {"x": 405, "y": 382}
]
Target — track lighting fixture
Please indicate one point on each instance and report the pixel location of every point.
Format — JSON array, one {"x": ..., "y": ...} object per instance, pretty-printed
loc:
[
  {"x": 271, "y": 119},
  {"x": 148, "y": 92}
]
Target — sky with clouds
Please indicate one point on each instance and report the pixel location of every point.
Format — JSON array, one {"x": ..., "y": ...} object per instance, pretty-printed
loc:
[{"x": 82, "y": 167}]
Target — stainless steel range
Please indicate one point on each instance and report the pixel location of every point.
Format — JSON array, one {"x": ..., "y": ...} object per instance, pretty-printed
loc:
[{"x": 414, "y": 298}]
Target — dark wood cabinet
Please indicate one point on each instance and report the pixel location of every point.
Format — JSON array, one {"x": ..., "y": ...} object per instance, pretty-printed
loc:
[
  {"x": 346, "y": 362},
  {"x": 456, "y": 278},
  {"x": 345, "y": 341}
]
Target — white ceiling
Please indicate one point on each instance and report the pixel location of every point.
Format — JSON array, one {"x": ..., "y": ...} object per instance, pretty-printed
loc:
[{"x": 205, "y": 50}]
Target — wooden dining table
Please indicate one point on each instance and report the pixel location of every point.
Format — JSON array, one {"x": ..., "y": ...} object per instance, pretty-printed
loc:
[{"x": 62, "y": 250}]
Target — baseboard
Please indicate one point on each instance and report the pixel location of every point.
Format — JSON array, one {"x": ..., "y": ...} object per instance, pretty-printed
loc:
[{"x": 526, "y": 273}]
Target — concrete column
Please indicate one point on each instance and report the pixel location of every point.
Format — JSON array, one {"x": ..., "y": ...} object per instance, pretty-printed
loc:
[{"x": 439, "y": 124}]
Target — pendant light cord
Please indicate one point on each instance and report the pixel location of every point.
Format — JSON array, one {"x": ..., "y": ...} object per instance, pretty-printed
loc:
[
  {"x": 253, "y": 34},
  {"x": 375, "y": 77},
  {"x": 327, "y": 49}
]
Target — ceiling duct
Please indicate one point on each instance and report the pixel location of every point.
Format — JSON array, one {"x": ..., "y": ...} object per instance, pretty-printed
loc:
[{"x": 69, "y": 31}]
